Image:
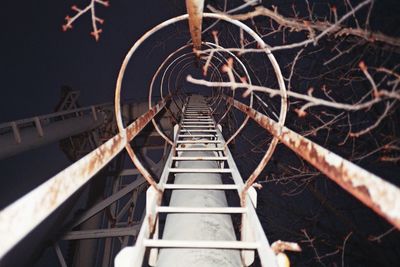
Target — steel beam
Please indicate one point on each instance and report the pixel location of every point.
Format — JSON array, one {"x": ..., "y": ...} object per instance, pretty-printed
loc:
[
  {"x": 102, "y": 233},
  {"x": 25, "y": 138}
]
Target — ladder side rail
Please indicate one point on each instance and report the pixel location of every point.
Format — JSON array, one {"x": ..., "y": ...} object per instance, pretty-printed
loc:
[
  {"x": 265, "y": 252},
  {"x": 134, "y": 255}
]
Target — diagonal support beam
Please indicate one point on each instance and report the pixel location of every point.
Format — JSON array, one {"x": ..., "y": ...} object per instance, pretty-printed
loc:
[
  {"x": 195, "y": 11},
  {"x": 102, "y": 233},
  {"x": 108, "y": 201}
]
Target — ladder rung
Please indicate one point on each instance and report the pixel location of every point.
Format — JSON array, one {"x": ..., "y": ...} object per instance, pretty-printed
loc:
[
  {"x": 198, "y": 142},
  {"x": 198, "y": 126},
  {"x": 205, "y": 126},
  {"x": 159, "y": 243},
  {"x": 199, "y": 149},
  {"x": 199, "y": 158},
  {"x": 199, "y": 170},
  {"x": 209, "y": 125},
  {"x": 198, "y": 122},
  {"x": 201, "y": 186},
  {"x": 195, "y": 135},
  {"x": 197, "y": 117},
  {"x": 209, "y": 210},
  {"x": 199, "y": 131}
]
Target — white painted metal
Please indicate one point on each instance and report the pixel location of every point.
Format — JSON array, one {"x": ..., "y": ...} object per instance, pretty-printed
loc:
[
  {"x": 198, "y": 142},
  {"x": 218, "y": 210},
  {"x": 200, "y": 244},
  {"x": 195, "y": 135},
  {"x": 198, "y": 230},
  {"x": 198, "y": 126},
  {"x": 196, "y": 117},
  {"x": 199, "y": 131},
  {"x": 199, "y": 149},
  {"x": 216, "y": 226},
  {"x": 200, "y": 170},
  {"x": 198, "y": 227},
  {"x": 198, "y": 123},
  {"x": 197, "y": 120},
  {"x": 199, "y": 158},
  {"x": 202, "y": 186}
]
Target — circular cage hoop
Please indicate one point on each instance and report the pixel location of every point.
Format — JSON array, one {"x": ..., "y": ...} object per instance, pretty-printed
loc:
[
  {"x": 254, "y": 35},
  {"x": 176, "y": 60}
]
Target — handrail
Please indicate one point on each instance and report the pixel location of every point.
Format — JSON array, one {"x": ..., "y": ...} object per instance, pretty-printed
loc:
[{"x": 376, "y": 193}]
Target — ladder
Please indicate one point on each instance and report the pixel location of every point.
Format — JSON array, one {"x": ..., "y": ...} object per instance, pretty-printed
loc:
[{"x": 198, "y": 139}]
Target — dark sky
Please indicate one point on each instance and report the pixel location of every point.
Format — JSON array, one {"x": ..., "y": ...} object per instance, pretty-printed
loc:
[{"x": 37, "y": 58}]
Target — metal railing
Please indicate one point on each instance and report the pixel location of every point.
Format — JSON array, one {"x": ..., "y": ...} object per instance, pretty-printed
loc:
[
  {"x": 376, "y": 193},
  {"x": 39, "y": 121}
]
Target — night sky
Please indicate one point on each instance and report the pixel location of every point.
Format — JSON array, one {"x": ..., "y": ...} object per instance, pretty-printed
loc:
[{"x": 38, "y": 58}]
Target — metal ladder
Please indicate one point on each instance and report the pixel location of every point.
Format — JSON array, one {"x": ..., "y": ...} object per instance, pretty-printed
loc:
[{"x": 197, "y": 127}]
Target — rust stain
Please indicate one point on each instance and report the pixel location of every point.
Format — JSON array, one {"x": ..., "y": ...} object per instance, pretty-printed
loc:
[
  {"x": 195, "y": 11},
  {"x": 376, "y": 193}
]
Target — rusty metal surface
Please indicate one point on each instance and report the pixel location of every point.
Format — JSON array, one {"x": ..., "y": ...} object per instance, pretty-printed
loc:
[
  {"x": 195, "y": 11},
  {"x": 376, "y": 193},
  {"x": 142, "y": 121},
  {"x": 21, "y": 217}
]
